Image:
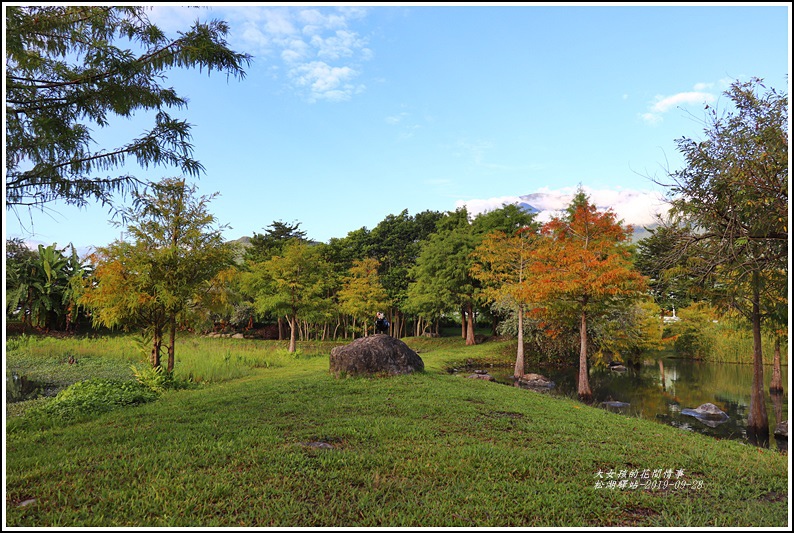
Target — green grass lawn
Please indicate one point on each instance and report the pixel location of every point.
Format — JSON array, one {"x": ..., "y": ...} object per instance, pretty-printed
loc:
[{"x": 284, "y": 444}]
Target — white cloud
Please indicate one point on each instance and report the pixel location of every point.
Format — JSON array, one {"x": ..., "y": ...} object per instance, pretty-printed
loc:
[
  {"x": 341, "y": 44},
  {"x": 318, "y": 47},
  {"x": 175, "y": 18},
  {"x": 663, "y": 104},
  {"x": 477, "y": 206},
  {"x": 321, "y": 52},
  {"x": 295, "y": 51},
  {"x": 276, "y": 22},
  {"x": 324, "y": 81},
  {"x": 635, "y": 207}
]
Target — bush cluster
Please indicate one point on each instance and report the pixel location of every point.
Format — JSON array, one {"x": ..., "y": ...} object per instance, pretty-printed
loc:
[{"x": 94, "y": 396}]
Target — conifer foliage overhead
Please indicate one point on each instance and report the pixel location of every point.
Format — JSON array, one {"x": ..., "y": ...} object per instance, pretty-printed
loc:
[{"x": 71, "y": 70}]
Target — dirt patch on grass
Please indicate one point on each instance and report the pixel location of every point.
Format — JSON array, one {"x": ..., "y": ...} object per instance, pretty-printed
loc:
[
  {"x": 774, "y": 497},
  {"x": 634, "y": 516}
]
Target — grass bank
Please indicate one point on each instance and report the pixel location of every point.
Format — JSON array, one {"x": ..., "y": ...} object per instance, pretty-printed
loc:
[{"x": 287, "y": 445}]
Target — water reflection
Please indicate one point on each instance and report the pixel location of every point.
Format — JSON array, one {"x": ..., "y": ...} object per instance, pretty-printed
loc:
[{"x": 662, "y": 390}]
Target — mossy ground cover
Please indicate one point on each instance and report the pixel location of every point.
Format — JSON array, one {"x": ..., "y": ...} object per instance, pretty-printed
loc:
[{"x": 288, "y": 445}]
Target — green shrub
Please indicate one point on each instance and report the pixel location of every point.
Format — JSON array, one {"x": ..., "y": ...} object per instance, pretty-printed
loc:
[
  {"x": 94, "y": 396},
  {"x": 158, "y": 379}
]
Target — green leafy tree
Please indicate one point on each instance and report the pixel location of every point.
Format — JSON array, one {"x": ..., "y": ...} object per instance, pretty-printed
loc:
[
  {"x": 293, "y": 284},
  {"x": 443, "y": 269},
  {"x": 341, "y": 254},
  {"x": 669, "y": 279},
  {"x": 42, "y": 286},
  {"x": 277, "y": 235},
  {"x": 67, "y": 69},
  {"x": 624, "y": 333},
  {"x": 395, "y": 243},
  {"x": 48, "y": 285},
  {"x": 509, "y": 218},
  {"x": 19, "y": 272},
  {"x": 264, "y": 246},
  {"x": 362, "y": 294},
  {"x": 76, "y": 273},
  {"x": 732, "y": 194},
  {"x": 151, "y": 282},
  {"x": 441, "y": 280}
]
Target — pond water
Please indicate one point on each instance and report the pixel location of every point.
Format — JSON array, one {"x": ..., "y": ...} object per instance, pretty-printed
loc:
[{"x": 662, "y": 390}]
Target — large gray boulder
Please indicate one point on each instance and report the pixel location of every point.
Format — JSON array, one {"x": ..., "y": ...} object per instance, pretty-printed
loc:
[{"x": 375, "y": 355}]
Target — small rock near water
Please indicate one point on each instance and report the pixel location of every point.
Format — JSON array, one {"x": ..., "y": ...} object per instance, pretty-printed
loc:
[
  {"x": 478, "y": 375},
  {"x": 708, "y": 411}
]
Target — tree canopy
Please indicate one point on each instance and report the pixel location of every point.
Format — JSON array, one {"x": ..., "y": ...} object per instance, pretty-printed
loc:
[
  {"x": 293, "y": 284},
  {"x": 73, "y": 69},
  {"x": 732, "y": 197},
  {"x": 148, "y": 282}
]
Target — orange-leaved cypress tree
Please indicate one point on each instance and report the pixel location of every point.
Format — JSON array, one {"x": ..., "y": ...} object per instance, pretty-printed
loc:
[{"x": 581, "y": 269}]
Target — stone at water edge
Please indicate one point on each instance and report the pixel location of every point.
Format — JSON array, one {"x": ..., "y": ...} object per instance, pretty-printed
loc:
[
  {"x": 707, "y": 411},
  {"x": 486, "y": 376},
  {"x": 535, "y": 381}
]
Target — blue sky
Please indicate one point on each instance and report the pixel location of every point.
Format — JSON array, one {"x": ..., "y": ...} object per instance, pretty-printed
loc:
[{"x": 350, "y": 113}]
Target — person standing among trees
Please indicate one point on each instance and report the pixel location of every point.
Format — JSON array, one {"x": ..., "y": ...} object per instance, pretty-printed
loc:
[{"x": 381, "y": 324}]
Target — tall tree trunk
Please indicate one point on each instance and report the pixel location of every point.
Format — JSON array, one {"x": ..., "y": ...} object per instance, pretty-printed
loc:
[
  {"x": 470, "y": 325},
  {"x": 463, "y": 322},
  {"x": 585, "y": 394},
  {"x": 776, "y": 385},
  {"x": 280, "y": 329},
  {"x": 292, "y": 333},
  {"x": 157, "y": 341},
  {"x": 757, "y": 419},
  {"x": 519, "y": 368},
  {"x": 777, "y": 407},
  {"x": 171, "y": 343}
]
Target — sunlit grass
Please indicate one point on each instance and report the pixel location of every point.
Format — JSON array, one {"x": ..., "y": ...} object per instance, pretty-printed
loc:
[{"x": 422, "y": 450}]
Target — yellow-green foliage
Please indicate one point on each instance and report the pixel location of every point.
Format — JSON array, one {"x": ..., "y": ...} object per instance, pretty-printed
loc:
[{"x": 701, "y": 333}]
